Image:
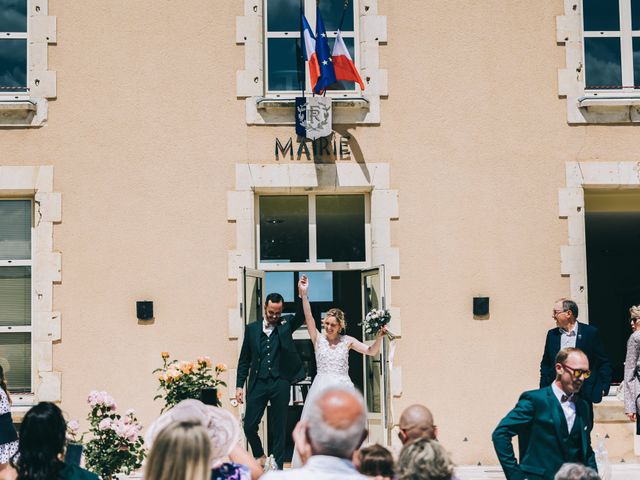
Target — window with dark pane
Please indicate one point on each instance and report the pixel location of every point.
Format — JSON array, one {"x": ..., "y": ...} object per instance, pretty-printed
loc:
[
  {"x": 602, "y": 63},
  {"x": 15, "y": 358},
  {"x": 284, "y": 228},
  {"x": 13, "y": 46},
  {"x": 331, "y": 11},
  {"x": 285, "y": 71},
  {"x": 15, "y": 296},
  {"x": 340, "y": 221},
  {"x": 635, "y": 14},
  {"x": 601, "y": 15},
  {"x": 15, "y": 229},
  {"x": 13, "y": 16},
  {"x": 13, "y": 65}
]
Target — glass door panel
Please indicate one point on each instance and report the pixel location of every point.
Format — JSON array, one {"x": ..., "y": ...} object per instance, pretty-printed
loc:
[{"x": 376, "y": 375}]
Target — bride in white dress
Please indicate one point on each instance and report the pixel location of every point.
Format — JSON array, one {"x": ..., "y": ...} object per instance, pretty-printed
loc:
[{"x": 332, "y": 351}]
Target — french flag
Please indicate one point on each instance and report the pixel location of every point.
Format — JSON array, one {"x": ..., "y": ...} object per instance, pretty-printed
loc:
[
  {"x": 310, "y": 52},
  {"x": 343, "y": 64}
]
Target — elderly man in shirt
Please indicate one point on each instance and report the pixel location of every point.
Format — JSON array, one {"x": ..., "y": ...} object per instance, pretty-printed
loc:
[
  {"x": 326, "y": 441},
  {"x": 571, "y": 333},
  {"x": 553, "y": 424}
]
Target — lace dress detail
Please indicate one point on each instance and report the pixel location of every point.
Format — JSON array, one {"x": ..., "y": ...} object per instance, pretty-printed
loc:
[
  {"x": 7, "y": 450},
  {"x": 332, "y": 364},
  {"x": 332, "y": 360}
]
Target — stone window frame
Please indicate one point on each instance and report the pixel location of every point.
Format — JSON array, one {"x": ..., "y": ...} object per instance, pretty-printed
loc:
[
  {"x": 349, "y": 109},
  {"x": 37, "y": 182},
  {"x": 594, "y": 107},
  {"x": 30, "y": 109},
  {"x": 253, "y": 179}
]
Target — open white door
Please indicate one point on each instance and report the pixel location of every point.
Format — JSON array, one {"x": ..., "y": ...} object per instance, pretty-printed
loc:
[
  {"x": 251, "y": 302},
  {"x": 376, "y": 369},
  {"x": 252, "y": 297}
]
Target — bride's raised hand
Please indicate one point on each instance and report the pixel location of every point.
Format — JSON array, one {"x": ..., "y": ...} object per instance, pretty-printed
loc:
[{"x": 303, "y": 285}]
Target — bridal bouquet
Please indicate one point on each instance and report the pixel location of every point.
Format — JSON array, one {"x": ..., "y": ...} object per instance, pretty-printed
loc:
[
  {"x": 182, "y": 380},
  {"x": 116, "y": 445},
  {"x": 375, "y": 320}
]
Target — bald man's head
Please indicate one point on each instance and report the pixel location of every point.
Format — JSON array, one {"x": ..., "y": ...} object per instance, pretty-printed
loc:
[
  {"x": 417, "y": 422},
  {"x": 337, "y": 422}
]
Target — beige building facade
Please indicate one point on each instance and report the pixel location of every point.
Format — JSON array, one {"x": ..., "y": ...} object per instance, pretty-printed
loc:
[{"x": 150, "y": 149}]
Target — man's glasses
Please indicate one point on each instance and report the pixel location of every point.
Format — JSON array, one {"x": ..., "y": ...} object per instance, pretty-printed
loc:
[
  {"x": 558, "y": 312},
  {"x": 577, "y": 372}
]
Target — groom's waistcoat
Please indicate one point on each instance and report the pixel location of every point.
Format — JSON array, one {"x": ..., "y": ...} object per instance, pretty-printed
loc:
[{"x": 269, "y": 355}]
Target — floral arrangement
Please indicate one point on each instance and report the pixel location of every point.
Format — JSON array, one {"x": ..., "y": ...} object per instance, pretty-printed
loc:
[
  {"x": 116, "y": 445},
  {"x": 182, "y": 380},
  {"x": 375, "y": 320}
]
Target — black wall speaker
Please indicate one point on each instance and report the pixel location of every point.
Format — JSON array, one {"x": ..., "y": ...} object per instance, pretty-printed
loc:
[
  {"x": 144, "y": 310},
  {"x": 480, "y": 306}
]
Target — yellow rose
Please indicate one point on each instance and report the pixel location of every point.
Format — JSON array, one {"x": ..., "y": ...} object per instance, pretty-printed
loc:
[
  {"x": 165, "y": 354},
  {"x": 221, "y": 367}
]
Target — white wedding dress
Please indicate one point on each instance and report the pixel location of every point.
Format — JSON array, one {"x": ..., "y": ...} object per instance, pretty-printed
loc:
[{"x": 332, "y": 366}]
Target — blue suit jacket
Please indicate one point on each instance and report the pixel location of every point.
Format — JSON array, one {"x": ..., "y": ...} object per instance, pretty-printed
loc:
[
  {"x": 539, "y": 422},
  {"x": 589, "y": 342}
]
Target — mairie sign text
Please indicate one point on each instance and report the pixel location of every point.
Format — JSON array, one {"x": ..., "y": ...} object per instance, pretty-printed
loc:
[{"x": 327, "y": 148}]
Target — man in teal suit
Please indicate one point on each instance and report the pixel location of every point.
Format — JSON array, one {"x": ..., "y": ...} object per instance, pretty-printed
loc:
[{"x": 553, "y": 424}]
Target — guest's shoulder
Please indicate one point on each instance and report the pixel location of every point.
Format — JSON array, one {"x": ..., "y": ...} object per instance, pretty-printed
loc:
[
  {"x": 73, "y": 472},
  {"x": 634, "y": 338}
]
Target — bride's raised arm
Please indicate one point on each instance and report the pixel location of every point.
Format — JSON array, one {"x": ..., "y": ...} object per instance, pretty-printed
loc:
[
  {"x": 373, "y": 349},
  {"x": 303, "y": 288}
]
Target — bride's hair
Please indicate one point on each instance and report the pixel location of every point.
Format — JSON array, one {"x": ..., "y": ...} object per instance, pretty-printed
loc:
[
  {"x": 339, "y": 316},
  {"x": 634, "y": 311}
]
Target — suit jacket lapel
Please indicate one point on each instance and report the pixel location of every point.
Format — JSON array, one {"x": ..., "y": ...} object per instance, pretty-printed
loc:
[
  {"x": 559, "y": 420},
  {"x": 258, "y": 331},
  {"x": 580, "y": 338},
  {"x": 581, "y": 417},
  {"x": 556, "y": 343}
]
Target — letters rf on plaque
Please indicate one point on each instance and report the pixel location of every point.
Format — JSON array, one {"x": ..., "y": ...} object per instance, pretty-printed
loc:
[{"x": 313, "y": 117}]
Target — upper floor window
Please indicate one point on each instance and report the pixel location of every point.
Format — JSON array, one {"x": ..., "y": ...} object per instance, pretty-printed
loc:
[
  {"x": 325, "y": 230},
  {"x": 16, "y": 263},
  {"x": 284, "y": 58},
  {"x": 611, "y": 31},
  {"x": 13, "y": 46}
]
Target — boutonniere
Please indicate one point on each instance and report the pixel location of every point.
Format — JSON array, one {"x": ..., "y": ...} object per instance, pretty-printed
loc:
[{"x": 283, "y": 322}]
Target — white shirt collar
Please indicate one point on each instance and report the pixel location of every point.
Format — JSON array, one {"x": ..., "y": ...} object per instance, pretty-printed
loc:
[
  {"x": 267, "y": 328},
  {"x": 571, "y": 333}
]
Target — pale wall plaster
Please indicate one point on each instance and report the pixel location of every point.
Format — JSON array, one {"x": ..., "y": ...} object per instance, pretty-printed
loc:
[
  {"x": 38, "y": 182},
  {"x": 250, "y": 81},
  {"x": 339, "y": 178}
]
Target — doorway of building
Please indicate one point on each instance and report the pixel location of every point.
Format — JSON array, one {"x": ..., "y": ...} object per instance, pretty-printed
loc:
[
  {"x": 353, "y": 291},
  {"x": 612, "y": 230}
]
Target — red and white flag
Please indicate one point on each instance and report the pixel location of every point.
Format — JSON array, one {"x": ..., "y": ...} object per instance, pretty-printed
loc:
[
  {"x": 310, "y": 56},
  {"x": 343, "y": 64}
]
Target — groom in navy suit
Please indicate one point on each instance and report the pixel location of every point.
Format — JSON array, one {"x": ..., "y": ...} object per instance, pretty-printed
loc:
[
  {"x": 270, "y": 361},
  {"x": 571, "y": 333}
]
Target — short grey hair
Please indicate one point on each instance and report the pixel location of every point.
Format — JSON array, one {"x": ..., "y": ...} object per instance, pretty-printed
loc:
[
  {"x": 328, "y": 440},
  {"x": 576, "y": 471},
  {"x": 424, "y": 459}
]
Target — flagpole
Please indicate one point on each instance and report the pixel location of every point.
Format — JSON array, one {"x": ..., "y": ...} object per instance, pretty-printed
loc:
[
  {"x": 344, "y": 11},
  {"x": 302, "y": 50}
]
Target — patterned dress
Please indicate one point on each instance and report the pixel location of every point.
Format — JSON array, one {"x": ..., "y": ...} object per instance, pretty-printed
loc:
[
  {"x": 7, "y": 450},
  {"x": 231, "y": 471},
  {"x": 333, "y": 369}
]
